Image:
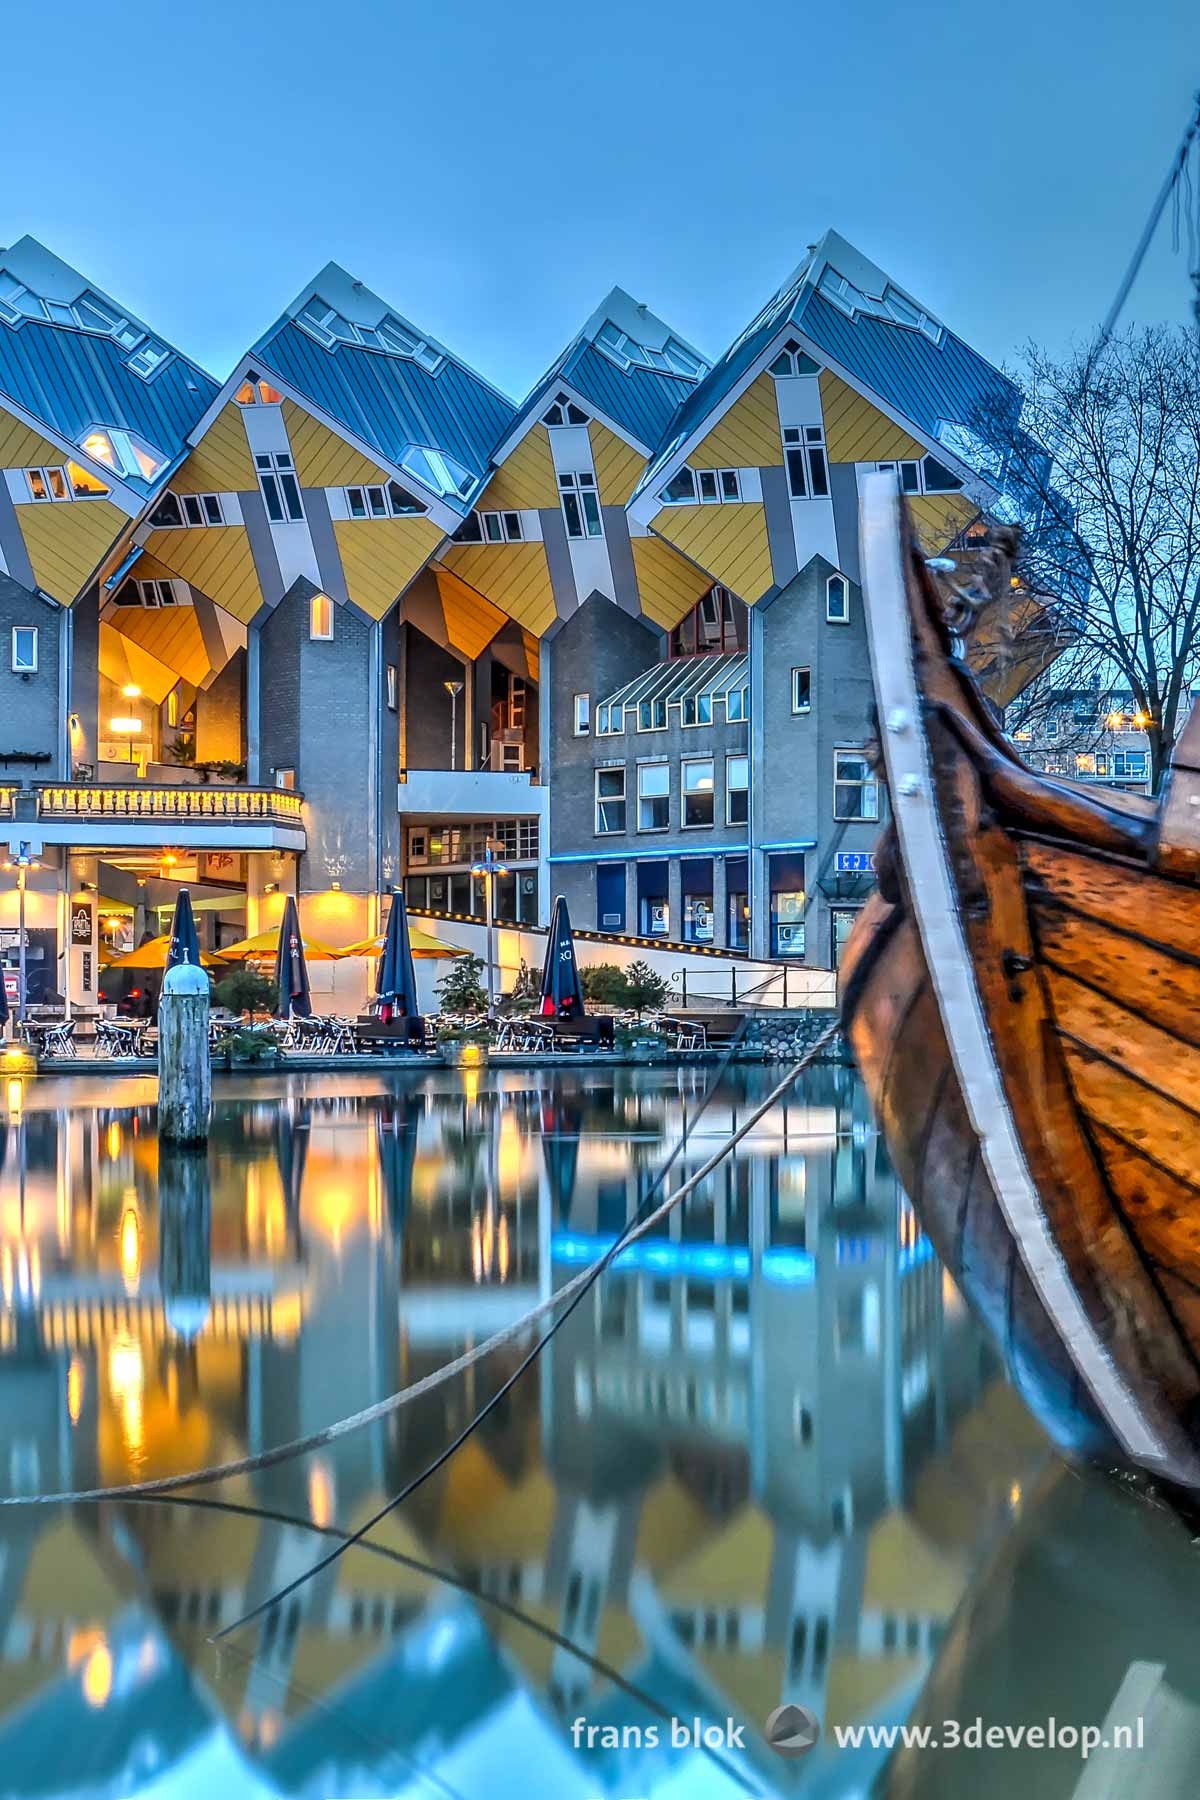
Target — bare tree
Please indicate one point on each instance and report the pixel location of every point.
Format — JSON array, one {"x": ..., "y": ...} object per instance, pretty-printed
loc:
[{"x": 1105, "y": 471}]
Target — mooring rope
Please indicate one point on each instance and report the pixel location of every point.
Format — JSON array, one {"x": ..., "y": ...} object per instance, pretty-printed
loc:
[{"x": 382, "y": 1409}]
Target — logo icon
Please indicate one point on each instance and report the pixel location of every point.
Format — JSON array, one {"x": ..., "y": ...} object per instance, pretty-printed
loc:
[{"x": 792, "y": 1730}]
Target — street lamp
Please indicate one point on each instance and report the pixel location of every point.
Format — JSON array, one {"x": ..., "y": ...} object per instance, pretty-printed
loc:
[
  {"x": 22, "y": 862},
  {"x": 488, "y": 868},
  {"x": 454, "y": 689}
]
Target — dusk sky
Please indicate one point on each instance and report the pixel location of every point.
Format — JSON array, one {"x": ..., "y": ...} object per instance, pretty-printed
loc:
[{"x": 494, "y": 171}]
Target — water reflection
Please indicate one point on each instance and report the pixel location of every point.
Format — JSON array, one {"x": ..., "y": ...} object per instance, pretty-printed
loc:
[{"x": 762, "y": 1462}]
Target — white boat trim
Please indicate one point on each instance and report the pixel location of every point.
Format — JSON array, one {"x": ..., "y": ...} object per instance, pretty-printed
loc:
[{"x": 926, "y": 860}]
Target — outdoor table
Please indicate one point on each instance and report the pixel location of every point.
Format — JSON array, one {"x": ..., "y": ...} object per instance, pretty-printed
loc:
[
  {"x": 407, "y": 1031},
  {"x": 50, "y": 1037}
]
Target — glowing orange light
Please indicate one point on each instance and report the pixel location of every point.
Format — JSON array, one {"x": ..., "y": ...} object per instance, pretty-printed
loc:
[
  {"x": 97, "y": 1676},
  {"x": 75, "y": 1385}
]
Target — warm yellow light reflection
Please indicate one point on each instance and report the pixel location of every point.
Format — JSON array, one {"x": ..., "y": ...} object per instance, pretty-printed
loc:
[
  {"x": 97, "y": 1676},
  {"x": 15, "y": 1096},
  {"x": 131, "y": 1249},
  {"x": 113, "y": 1141},
  {"x": 127, "y": 1381},
  {"x": 76, "y": 1382},
  {"x": 320, "y": 1495}
]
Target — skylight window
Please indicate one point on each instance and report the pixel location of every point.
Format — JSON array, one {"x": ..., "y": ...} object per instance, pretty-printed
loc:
[
  {"x": 87, "y": 313},
  {"x": 390, "y": 336},
  {"x": 124, "y": 452},
  {"x": 673, "y": 359},
  {"x": 563, "y": 412},
  {"x": 440, "y": 473},
  {"x": 893, "y": 306},
  {"x": 792, "y": 360}
]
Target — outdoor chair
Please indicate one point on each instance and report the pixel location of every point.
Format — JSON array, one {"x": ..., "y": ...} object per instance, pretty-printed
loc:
[
  {"x": 338, "y": 1039},
  {"x": 304, "y": 1031},
  {"x": 119, "y": 1038},
  {"x": 54, "y": 1039}
]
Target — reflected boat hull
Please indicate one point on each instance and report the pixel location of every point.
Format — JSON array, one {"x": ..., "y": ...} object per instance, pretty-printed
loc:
[{"x": 1023, "y": 999}]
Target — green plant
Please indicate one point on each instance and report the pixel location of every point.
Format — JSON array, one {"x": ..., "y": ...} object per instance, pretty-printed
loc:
[
  {"x": 461, "y": 988},
  {"x": 647, "y": 990},
  {"x": 183, "y": 749},
  {"x": 246, "y": 991},
  {"x": 224, "y": 769},
  {"x": 248, "y": 1044},
  {"x": 528, "y": 984},
  {"x": 605, "y": 984}
]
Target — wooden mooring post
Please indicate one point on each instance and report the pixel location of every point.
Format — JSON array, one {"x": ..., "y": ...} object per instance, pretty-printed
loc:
[{"x": 184, "y": 1067}]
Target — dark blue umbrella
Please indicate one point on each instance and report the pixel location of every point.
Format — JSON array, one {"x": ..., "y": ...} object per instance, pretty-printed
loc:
[
  {"x": 562, "y": 995},
  {"x": 396, "y": 980},
  {"x": 184, "y": 946},
  {"x": 3, "y": 1004},
  {"x": 291, "y": 970}
]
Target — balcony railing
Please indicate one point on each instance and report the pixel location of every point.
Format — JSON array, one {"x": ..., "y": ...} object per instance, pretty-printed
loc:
[{"x": 144, "y": 801}]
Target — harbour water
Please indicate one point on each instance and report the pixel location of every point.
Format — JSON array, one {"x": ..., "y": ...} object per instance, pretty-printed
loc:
[{"x": 769, "y": 1459}]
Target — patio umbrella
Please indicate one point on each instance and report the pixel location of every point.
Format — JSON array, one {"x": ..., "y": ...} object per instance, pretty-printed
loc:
[
  {"x": 396, "y": 979},
  {"x": 264, "y": 947},
  {"x": 3, "y": 1004},
  {"x": 562, "y": 995},
  {"x": 153, "y": 953},
  {"x": 291, "y": 973},
  {"x": 184, "y": 945},
  {"x": 420, "y": 944}
]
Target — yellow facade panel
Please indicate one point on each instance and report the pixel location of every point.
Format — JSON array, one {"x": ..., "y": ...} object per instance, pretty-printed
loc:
[
  {"x": 526, "y": 478},
  {"x": 216, "y": 559},
  {"x": 322, "y": 458},
  {"x": 381, "y": 556},
  {"x": 221, "y": 462},
  {"x": 669, "y": 585},
  {"x": 121, "y": 661},
  {"x": 172, "y": 634},
  {"x": 471, "y": 621},
  {"x": 514, "y": 577},
  {"x": 748, "y": 436},
  {"x": 940, "y": 517},
  {"x": 67, "y": 541},
  {"x": 21, "y": 448},
  {"x": 856, "y": 431},
  {"x": 729, "y": 541},
  {"x": 618, "y": 467}
]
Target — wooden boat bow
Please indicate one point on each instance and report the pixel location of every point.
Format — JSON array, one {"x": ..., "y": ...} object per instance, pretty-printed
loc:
[{"x": 1025, "y": 1009}]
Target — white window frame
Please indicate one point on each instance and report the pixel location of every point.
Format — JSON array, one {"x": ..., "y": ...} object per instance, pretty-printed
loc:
[
  {"x": 742, "y": 756},
  {"x": 804, "y": 450},
  {"x": 391, "y": 686},
  {"x": 800, "y": 707},
  {"x": 870, "y": 780},
  {"x": 206, "y": 503},
  {"x": 652, "y": 702},
  {"x": 277, "y": 475},
  {"x": 832, "y": 618},
  {"x": 898, "y": 464},
  {"x": 743, "y": 706},
  {"x": 501, "y": 527},
  {"x": 50, "y": 477},
  {"x": 614, "y": 830},
  {"x": 642, "y": 767},
  {"x": 720, "y": 478},
  {"x": 384, "y": 507},
  {"x": 580, "y": 485},
  {"x": 694, "y": 700},
  {"x": 691, "y": 762},
  {"x": 25, "y": 668},
  {"x": 793, "y": 355},
  {"x": 315, "y": 636},
  {"x": 565, "y": 407},
  {"x": 582, "y": 709}
]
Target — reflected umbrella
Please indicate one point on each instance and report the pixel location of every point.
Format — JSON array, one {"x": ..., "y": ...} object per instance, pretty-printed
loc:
[
  {"x": 291, "y": 1146},
  {"x": 561, "y": 1126},
  {"x": 183, "y": 944},
  {"x": 396, "y": 1148},
  {"x": 562, "y": 992},
  {"x": 291, "y": 970}
]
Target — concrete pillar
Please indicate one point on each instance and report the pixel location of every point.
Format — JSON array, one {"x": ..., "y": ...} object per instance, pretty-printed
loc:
[
  {"x": 720, "y": 903},
  {"x": 82, "y": 940},
  {"x": 184, "y": 1068},
  {"x": 674, "y": 900},
  {"x": 632, "y": 922}
]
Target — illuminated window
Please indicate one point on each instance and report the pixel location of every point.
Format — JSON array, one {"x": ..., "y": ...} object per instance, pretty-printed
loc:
[
  {"x": 698, "y": 791},
  {"x": 580, "y": 505},
  {"x": 85, "y": 485},
  {"x": 124, "y": 452},
  {"x": 47, "y": 484},
  {"x": 256, "y": 392},
  {"x": 717, "y": 623},
  {"x": 173, "y": 707},
  {"x": 24, "y": 649},
  {"x": 280, "y": 489},
  {"x": 320, "y": 617},
  {"x": 285, "y": 778}
]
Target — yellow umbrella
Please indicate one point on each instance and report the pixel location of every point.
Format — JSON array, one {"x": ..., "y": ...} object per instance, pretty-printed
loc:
[
  {"x": 264, "y": 944},
  {"x": 153, "y": 955},
  {"x": 422, "y": 943}
]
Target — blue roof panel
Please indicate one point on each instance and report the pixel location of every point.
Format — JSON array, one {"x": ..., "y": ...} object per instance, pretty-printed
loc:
[
  {"x": 390, "y": 401},
  {"x": 642, "y": 401},
  {"x": 71, "y": 380}
]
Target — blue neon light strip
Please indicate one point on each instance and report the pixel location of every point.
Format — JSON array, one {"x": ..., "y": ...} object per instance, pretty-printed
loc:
[{"x": 716, "y": 1261}]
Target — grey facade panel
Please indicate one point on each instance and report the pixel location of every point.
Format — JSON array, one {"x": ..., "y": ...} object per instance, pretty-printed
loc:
[
  {"x": 83, "y": 699},
  {"x": 12, "y": 544},
  {"x": 558, "y": 560},
  {"x": 30, "y": 704},
  {"x": 320, "y": 527},
  {"x": 262, "y": 547},
  {"x": 778, "y": 509},
  {"x": 620, "y": 556},
  {"x": 428, "y": 710},
  {"x": 843, "y": 485}
]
